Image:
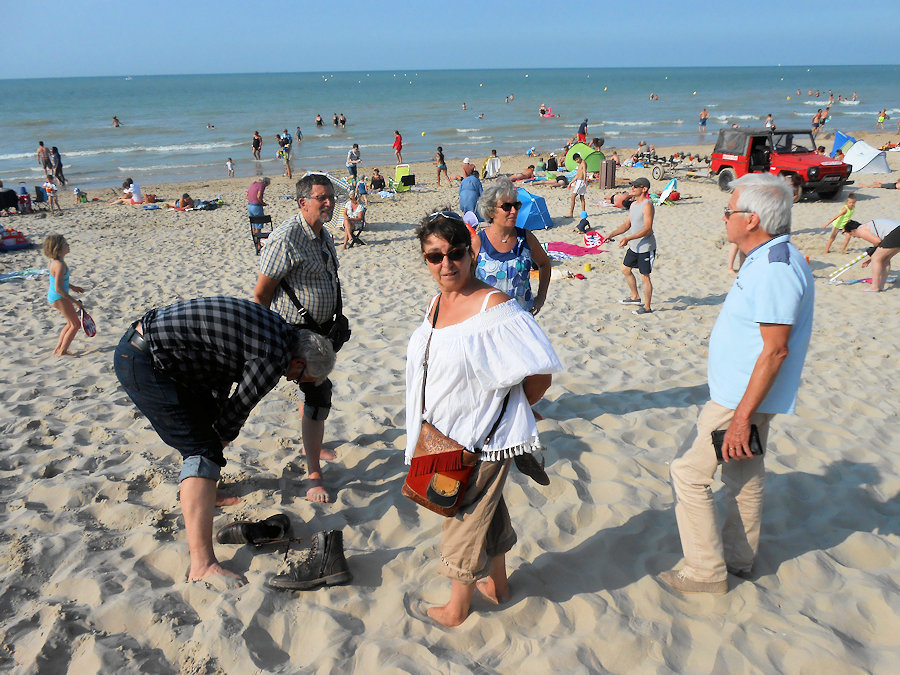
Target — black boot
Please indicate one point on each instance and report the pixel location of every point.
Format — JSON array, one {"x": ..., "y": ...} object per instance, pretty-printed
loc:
[
  {"x": 528, "y": 465},
  {"x": 273, "y": 528},
  {"x": 322, "y": 563}
]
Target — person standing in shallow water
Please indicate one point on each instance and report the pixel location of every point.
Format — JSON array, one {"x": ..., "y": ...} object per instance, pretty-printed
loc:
[{"x": 398, "y": 146}]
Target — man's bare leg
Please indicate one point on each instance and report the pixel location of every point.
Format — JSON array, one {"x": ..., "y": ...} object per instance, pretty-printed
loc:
[
  {"x": 572, "y": 206},
  {"x": 496, "y": 587},
  {"x": 313, "y": 432},
  {"x": 198, "y": 500},
  {"x": 632, "y": 284},
  {"x": 648, "y": 289}
]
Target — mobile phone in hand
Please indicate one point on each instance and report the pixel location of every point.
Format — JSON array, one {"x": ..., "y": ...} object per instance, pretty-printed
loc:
[{"x": 756, "y": 447}]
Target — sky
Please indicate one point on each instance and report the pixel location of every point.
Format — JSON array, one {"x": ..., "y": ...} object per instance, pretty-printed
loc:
[{"x": 103, "y": 37}]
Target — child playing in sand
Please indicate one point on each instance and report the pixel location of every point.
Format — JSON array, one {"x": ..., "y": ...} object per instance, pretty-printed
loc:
[
  {"x": 52, "y": 194},
  {"x": 56, "y": 248},
  {"x": 229, "y": 168},
  {"x": 583, "y": 225},
  {"x": 838, "y": 223}
]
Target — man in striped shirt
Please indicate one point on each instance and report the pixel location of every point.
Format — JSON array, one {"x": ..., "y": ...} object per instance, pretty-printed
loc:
[
  {"x": 302, "y": 254},
  {"x": 179, "y": 363}
]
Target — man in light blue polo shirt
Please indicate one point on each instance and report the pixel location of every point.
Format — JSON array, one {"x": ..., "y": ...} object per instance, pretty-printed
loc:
[{"x": 756, "y": 355}]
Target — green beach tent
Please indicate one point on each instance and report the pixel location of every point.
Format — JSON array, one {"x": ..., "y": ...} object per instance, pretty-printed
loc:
[{"x": 593, "y": 158}]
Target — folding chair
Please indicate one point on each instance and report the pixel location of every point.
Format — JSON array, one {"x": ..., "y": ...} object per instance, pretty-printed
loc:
[
  {"x": 256, "y": 224},
  {"x": 403, "y": 180},
  {"x": 356, "y": 230},
  {"x": 40, "y": 198}
]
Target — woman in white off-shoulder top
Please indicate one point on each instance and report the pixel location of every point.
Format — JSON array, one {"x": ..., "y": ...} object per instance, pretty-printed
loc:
[{"x": 483, "y": 346}]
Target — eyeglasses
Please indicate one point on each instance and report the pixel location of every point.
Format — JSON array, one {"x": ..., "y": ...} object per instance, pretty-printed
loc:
[
  {"x": 449, "y": 215},
  {"x": 508, "y": 206},
  {"x": 323, "y": 198},
  {"x": 454, "y": 254},
  {"x": 729, "y": 212}
]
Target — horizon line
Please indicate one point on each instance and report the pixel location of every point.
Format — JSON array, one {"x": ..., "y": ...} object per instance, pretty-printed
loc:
[{"x": 406, "y": 70}]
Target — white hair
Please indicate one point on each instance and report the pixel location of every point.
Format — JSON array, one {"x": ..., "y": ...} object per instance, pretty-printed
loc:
[{"x": 769, "y": 197}]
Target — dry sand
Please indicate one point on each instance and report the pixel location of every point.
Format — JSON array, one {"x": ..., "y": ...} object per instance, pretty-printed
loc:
[{"x": 92, "y": 542}]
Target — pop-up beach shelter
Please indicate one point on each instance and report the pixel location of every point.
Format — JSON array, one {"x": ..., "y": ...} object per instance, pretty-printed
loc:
[
  {"x": 592, "y": 158},
  {"x": 842, "y": 142},
  {"x": 866, "y": 159},
  {"x": 534, "y": 214}
]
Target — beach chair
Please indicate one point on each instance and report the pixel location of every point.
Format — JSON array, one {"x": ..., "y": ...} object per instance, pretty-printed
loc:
[
  {"x": 492, "y": 167},
  {"x": 356, "y": 231},
  {"x": 40, "y": 198},
  {"x": 403, "y": 180},
  {"x": 256, "y": 230}
]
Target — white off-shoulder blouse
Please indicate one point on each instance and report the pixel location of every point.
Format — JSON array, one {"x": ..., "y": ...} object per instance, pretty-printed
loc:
[{"x": 471, "y": 367}]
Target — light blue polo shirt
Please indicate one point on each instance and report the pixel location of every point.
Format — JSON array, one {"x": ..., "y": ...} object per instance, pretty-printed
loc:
[{"x": 774, "y": 285}]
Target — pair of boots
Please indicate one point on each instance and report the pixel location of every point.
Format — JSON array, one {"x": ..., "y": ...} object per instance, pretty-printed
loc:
[{"x": 322, "y": 563}]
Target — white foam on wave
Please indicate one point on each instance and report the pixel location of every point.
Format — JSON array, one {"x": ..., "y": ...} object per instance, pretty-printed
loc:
[
  {"x": 725, "y": 117},
  {"x": 466, "y": 131},
  {"x": 154, "y": 148},
  {"x": 629, "y": 124},
  {"x": 160, "y": 167},
  {"x": 17, "y": 155}
]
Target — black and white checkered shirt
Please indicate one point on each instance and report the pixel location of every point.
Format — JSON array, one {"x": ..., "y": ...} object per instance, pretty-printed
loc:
[
  {"x": 211, "y": 343},
  {"x": 308, "y": 263}
]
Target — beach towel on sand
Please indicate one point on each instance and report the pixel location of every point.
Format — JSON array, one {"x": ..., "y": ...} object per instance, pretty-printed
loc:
[{"x": 572, "y": 250}]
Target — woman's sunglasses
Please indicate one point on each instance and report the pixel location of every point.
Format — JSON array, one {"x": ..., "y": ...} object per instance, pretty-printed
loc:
[
  {"x": 508, "y": 206},
  {"x": 453, "y": 254},
  {"x": 449, "y": 215}
]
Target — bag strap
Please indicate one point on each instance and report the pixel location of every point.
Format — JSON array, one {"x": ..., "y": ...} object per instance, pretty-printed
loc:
[
  {"x": 437, "y": 307},
  {"x": 487, "y": 439},
  {"x": 304, "y": 313}
]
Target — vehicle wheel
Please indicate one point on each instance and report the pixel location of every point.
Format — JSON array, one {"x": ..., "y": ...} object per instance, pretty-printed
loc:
[
  {"x": 658, "y": 172},
  {"x": 725, "y": 177},
  {"x": 828, "y": 194}
]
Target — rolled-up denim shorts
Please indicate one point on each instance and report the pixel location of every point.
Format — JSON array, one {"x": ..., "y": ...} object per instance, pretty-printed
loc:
[
  {"x": 182, "y": 416},
  {"x": 255, "y": 209}
]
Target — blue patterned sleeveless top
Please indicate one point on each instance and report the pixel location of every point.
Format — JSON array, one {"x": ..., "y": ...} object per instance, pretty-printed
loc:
[{"x": 508, "y": 272}]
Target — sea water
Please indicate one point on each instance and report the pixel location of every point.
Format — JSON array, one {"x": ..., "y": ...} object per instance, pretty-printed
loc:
[{"x": 165, "y": 136}]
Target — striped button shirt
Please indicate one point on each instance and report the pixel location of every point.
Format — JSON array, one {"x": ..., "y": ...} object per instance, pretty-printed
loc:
[
  {"x": 308, "y": 262},
  {"x": 212, "y": 343}
]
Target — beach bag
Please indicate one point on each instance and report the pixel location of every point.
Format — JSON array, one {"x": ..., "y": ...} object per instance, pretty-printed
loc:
[{"x": 440, "y": 468}]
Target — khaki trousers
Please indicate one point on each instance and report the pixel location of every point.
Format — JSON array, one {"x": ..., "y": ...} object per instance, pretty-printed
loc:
[
  {"x": 708, "y": 549},
  {"x": 481, "y": 529}
]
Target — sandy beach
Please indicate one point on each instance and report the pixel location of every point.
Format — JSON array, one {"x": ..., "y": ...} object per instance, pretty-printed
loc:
[{"x": 93, "y": 556}]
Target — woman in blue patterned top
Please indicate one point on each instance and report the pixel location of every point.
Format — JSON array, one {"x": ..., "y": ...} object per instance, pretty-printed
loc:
[{"x": 505, "y": 254}]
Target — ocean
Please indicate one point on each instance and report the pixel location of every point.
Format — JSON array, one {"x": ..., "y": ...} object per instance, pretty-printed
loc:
[{"x": 164, "y": 135}]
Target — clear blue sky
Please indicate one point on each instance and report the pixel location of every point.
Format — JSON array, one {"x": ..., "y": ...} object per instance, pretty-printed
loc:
[{"x": 63, "y": 38}]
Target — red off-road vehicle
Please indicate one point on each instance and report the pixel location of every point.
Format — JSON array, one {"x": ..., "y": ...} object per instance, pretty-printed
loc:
[{"x": 780, "y": 152}]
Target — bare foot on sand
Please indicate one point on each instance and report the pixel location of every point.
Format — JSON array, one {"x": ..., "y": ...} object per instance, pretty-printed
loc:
[
  {"x": 217, "y": 577},
  {"x": 492, "y": 591},
  {"x": 327, "y": 455},
  {"x": 447, "y": 616},
  {"x": 317, "y": 492},
  {"x": 224, "y": 500}
]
